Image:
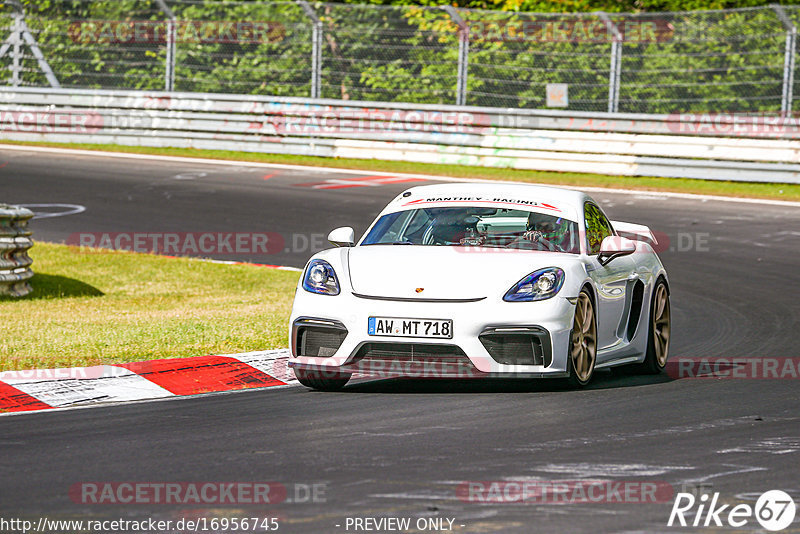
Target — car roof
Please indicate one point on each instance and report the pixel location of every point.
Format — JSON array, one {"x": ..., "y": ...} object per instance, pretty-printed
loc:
[{"x": 520, "y": 196}]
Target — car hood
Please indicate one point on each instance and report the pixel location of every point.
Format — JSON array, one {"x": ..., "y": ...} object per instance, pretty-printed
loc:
[{"x": 446, "y": 272}]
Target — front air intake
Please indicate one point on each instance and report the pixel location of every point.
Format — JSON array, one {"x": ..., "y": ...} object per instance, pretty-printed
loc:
[
  {"x": 411, "y": 352},
  {"x": 525, "y": 346},
  {"x": 318, "y": 338},
  {"x": 421, "y": 360}
]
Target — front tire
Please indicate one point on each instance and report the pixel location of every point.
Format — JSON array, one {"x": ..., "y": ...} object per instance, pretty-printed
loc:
[
  {"x": 582, "y": 353},
  {"x": 322, "y": 380},
  {"x": 658, "y": 332}
]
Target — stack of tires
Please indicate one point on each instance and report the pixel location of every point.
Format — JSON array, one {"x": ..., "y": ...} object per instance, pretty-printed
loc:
[{"x": 15, "y": 240}]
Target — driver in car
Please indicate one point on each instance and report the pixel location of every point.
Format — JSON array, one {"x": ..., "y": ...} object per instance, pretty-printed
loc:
[
  {"x": 454, "y": 227},
  {"x": 546, "y": 229}
]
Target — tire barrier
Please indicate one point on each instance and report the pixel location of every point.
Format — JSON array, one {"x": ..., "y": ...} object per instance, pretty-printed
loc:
[{"x": 15, "y": 241}]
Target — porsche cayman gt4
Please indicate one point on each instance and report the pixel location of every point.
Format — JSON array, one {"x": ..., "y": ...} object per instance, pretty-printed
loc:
[{"x": 482, "y": 280}]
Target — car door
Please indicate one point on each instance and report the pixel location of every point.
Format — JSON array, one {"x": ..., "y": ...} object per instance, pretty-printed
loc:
[{"x": 611, "y": 280}]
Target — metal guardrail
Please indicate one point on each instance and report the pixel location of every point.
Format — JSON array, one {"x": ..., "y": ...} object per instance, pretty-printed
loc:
[
  {"x": 708, "y": 147},
  {"x": 15, "y": 240}
]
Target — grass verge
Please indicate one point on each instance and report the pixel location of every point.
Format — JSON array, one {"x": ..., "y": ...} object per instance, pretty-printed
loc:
[
  {"x": 678, "y": 185},
  {"x": 102, "y": 307}
]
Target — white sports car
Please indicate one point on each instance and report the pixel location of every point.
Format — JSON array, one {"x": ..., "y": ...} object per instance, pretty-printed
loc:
[{"x": 482, "y": 280}]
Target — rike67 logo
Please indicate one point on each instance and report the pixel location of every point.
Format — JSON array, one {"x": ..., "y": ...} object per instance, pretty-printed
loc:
[{"x": 774, "y": 510}]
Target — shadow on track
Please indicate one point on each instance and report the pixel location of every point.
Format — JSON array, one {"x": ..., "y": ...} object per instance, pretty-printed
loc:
[{"x": 602, "y": 380}]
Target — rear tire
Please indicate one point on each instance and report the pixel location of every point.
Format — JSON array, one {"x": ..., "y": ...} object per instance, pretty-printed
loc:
[
  {"x": 322, "y": 380},
  {"x": 582, "y": 353},
  {"x": 658, "y": 332}
]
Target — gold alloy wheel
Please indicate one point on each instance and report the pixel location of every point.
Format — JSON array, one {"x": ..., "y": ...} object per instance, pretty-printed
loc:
[
  {"x": 661, "y": 324},
  {"x": 583, "y": 347}
]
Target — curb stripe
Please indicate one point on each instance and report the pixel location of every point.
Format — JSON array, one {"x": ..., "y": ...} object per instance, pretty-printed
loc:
[
  {"x": 14, "y": 400},
  {"x": 202, "y": 374},
  {"x": 272, "y": 363},
  {"x": 41, "y": 389},
  {"x": 118, "y": 386}
]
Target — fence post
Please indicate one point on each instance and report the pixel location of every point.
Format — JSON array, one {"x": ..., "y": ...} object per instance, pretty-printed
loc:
[
  {"x": 20, "y": 35},
  {"x": 16, "y": 49},
  {"x": 615, "y": 68},
  {"x": 37, "y": 53},
  {"x": 169, "y": 67},
  {"x": 788, "y": 59},
  {"x": 169, "y": 74},
  {"x": 316, "y": 48},
  {"x": 463, "y": 55}
]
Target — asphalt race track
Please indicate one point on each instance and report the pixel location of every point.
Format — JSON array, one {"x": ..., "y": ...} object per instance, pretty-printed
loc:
[{"x": 404, "y": 448}]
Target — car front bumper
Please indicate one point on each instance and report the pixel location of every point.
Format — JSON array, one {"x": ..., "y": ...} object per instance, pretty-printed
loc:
[{"x": 341, "y": 321}]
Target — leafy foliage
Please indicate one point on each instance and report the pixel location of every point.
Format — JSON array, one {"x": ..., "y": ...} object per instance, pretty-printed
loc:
[{"x": 689, "y": 61}]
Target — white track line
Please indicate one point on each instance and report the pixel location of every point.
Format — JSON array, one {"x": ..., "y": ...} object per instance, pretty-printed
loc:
[{"x": 332, "y": 170}]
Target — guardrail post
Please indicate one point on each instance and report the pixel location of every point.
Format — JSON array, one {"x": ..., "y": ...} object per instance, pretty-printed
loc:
[
  {"x": 789, "y": 53},
  {"x": 169, "y": 67},
  {"x": 15, "y": 241},
  {"x": 316, "y": 47},
  {"x": 615, "y": 68},
  {"x": 463, "y": 55}
]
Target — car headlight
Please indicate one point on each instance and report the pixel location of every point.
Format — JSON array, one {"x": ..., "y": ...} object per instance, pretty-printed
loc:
[
  {"x": 539, "y": 285},
  {"x": 321, "y": 278}
]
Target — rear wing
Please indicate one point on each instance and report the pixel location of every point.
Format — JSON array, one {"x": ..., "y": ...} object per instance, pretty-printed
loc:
[{"x": 638, "y": 230}]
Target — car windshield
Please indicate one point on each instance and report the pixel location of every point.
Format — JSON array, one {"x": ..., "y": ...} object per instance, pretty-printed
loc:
[{"x": 477, "y": 227}]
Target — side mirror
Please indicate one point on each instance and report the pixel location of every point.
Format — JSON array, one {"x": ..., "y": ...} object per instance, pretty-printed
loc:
[
  {"x": 343, "y": 237},
  {"x": 613, "y": 247}
]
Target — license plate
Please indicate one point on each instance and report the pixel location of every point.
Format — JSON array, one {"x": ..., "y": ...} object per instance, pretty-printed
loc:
[{"x": 405, "y": 327}]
